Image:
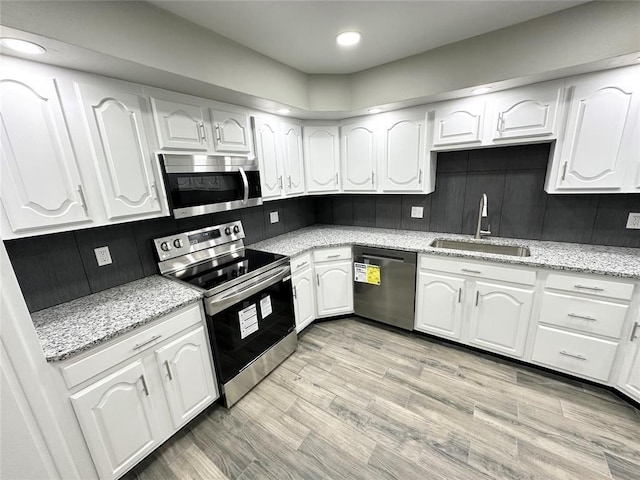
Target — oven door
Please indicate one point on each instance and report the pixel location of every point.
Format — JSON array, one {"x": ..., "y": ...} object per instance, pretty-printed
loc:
[
  {"x": 200, "y": 192},
  {"x": 249, "y": 319}
]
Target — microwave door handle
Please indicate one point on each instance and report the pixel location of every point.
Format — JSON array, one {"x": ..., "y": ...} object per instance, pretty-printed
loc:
[{"x": 245, "y": 184}]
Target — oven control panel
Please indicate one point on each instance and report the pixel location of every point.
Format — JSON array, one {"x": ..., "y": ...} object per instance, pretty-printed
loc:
[{"x": 179, "y": 244}]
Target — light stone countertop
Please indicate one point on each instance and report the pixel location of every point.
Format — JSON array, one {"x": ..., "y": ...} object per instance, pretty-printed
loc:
[
  {"x": 73, "y": 327},
  {"x": 596, "y": 259}
]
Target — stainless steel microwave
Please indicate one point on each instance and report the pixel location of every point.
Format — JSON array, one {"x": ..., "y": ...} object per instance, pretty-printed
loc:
[{"x": 199, "y": 184}]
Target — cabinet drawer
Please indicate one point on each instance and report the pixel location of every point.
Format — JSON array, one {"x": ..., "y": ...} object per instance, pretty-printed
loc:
[
  {"x": 118, "y": 350},
  {"x": 331, "y": 254},
  {"x": 479, "y": 270},
  {"x": 590, "y": 286},
  {"x": 575, "y": 353},
  {"x": 300, "y": 262},
  {"x": 584, "y": 314}
]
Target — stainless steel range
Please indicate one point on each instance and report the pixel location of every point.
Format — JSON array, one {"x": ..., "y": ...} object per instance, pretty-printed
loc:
[{"x": 247, "y": 297}]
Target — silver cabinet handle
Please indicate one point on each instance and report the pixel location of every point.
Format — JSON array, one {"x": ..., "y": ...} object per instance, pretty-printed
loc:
[
  {"x": 466, "y": 270},
  {"x": 564, "y": 171},
  {"x": 144, "y": 385},
  {"x": 295, "y": 294},
  {"x": 152, "y": 339},
  {"x": 633, "y": 332},
  {"x": 203, "y": 132},
  {"x": 218, "y": 137},
  {"x": 83, "y": 202},
  {"x": 477, "y": 297},
  {"x": 155, "y": 190},
  {"x": 584, "y": 287},
  {"x": 166, "y": 364},
  {"x": 336, "y": 178},
  {"x": 301, "y": 264},
  {"x": 500, "y": 126},
  {"x": 420, "y": 177},
  {"x": 584, "y": 317},
  {"x": 373, "y": 177},
  {"x": 289, "y": 179},
  {"x": 333, "y": 256},
  {"x": 318, "y": 278},
  {"x": 572, "y": 355},
  {"x": 459, "y": 295},
  {"x": 280, "y": 181}
]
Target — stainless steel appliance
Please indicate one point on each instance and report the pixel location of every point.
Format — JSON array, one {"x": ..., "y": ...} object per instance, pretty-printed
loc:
[
  {"x": 199, "y": 184},
  {"x": 387, "y": 291},
  {"x": 247, "y": 297}
]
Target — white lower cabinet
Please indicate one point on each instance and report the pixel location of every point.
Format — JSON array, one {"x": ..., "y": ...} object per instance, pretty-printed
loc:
[
  {"x": 499, "y": 318},
  {"x": 439, "y": 304},
  {"x": 629, "y": 378},
  {"x": 148, "y": 387},
  {"x": 334, "y": 288},
  {"x": 304, "y": 298}
]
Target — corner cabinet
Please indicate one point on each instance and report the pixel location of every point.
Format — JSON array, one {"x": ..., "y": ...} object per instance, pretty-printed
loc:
[
  {"x": 41, "y": 183},
  {"x": 131, "y": 394},
  {"x": 600, "y": 150},
  {"x": 113, "y": 118},
  {"x": 333, "y": 268},
  {"x": 322, "y": 158}
]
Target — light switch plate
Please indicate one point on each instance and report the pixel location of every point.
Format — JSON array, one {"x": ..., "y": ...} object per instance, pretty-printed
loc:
[
  {"x": 273, "y": 216},
  {"x": 417, "y": 212},
  {"x": 633, "y": 222},
  {"x": 103, "y": 256}
]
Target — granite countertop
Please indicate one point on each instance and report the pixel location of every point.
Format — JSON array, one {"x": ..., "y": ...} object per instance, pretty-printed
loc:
[
  {"x": 73, "y": 327},
  {"x": 597, "y": 259}
]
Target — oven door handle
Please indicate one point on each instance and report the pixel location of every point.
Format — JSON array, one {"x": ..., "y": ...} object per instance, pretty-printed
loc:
[
  {"x": 226, "y": 299},
  {"x": 245, "y": 184}
]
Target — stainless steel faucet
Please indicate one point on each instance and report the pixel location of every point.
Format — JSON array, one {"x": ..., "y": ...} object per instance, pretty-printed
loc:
[{"x": 482, "y": 213}]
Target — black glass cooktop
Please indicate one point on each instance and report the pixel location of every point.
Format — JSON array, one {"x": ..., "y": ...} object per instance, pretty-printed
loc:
[{"x": 245, "y": 264}]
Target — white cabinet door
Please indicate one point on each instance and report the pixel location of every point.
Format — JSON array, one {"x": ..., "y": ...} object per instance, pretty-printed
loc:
[
  {"x": 118, "y": 421},
  {"x": 231, "y": 133},
  {"x": 334, "y": 282},
  {"x": 41, "y": 186},
  {"x": 304, "y": 301},
  {"x": 359, "y": 152},
  {"x": 601, "y": 138},
  {"x": 629, "y": 380},
  {"x": 187, "y": 375},
  {"x": 292, "y": 158},
  {"x": 268, "y": 153},
  {"x": 500, "y": 318},
  {"x": 113, "y": 115},
  {"x": 179, "y": 126},
  {"x": 459, "y": 122},
  {"x": 321, "y": 158},
  {"x": 525, "y": 112},
  {"x": 403, "y": 152},
  {"x": 439, "y": 305}
]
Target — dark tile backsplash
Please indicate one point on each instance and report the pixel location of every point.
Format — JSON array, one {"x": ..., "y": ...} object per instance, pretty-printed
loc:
[
  {"x": 54, "y": 269},
  {"x": 513, "y": 179}
]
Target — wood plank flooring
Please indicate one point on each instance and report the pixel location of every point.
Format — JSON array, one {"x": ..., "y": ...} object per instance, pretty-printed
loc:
[{"x": 361, "y": 401}]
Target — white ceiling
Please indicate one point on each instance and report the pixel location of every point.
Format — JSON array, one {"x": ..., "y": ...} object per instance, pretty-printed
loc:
[{"x": 301, "y": 33}]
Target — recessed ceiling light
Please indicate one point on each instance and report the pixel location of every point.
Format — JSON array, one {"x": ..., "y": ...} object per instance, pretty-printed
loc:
[
  {"x": 22, "y": 46},
  {"x": 480, "y": 90},
  {"x": 348, "y": 39},
  {"x": 375, "y": 110},
  {"x": 283, "y": 111}
]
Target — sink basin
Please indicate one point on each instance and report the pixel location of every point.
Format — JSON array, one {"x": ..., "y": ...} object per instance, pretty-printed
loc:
[{"x": 482, "y": 247}]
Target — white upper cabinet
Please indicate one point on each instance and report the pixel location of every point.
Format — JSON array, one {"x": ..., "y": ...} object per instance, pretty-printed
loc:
[
  {"x": 322, "y": 158},
  {"x": 268, "y": 153},
  {"x": 459, "y": 122},
  {"x": 525, "y": 112},
  {"x": 41, "y": 184},
  {"x": 123, "y": 161},
  {"x": 293, "y": 158},
  {"x": 231, "y": 132},
  {"x": 180, "y": 126},
  {"x": 600, "y": 151},
  {"x": 359, "y": 156},
  {"x": 403, "y": 153}
]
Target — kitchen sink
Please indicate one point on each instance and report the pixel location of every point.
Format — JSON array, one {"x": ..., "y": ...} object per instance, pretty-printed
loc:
[{"x": 482, "y": 247}]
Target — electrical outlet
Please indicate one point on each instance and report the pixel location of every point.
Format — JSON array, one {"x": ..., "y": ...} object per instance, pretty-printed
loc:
[
  {"x": 103, "y": 256},
  {"x": 273, "y": 216},
  {"x": 633, "y": 222},
  {"x": 417, "y": 212}
]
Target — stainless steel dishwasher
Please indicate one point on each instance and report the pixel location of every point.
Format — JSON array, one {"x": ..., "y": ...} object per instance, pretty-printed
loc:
[{"x": 384, "y": 287}]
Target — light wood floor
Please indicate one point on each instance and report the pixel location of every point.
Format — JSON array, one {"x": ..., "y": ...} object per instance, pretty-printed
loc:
[{"x": 362, "y": 401}]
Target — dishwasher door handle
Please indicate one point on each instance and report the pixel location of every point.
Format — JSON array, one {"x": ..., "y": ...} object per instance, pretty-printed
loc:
[{"x": 383, "y": 257}]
